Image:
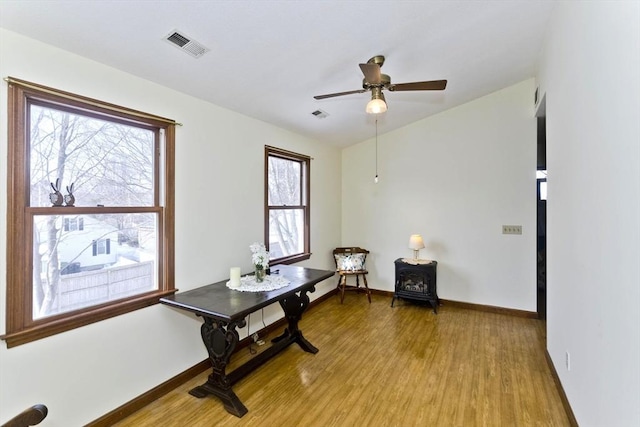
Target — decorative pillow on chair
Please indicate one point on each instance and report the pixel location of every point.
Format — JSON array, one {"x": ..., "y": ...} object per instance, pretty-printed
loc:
[{"x": 351, "y": 262}]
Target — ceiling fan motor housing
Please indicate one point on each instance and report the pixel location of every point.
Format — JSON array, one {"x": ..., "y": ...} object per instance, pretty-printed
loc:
[
  {"x": 385, "y": 81},
  {"x": 378, "y": 59}
]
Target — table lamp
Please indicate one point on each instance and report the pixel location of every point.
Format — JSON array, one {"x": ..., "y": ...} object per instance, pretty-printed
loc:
[{"x": 416, "y": 243}]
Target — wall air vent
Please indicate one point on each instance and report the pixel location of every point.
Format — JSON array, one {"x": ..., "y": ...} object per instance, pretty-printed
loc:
[
  {"x": 186, "y": 44},
  {"x": 320, "y": 114}
]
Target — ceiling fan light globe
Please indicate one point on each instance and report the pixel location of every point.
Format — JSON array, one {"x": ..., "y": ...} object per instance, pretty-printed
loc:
[{"x": 376, "y": 106}]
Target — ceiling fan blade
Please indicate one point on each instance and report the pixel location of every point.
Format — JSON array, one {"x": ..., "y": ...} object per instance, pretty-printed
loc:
[
  {"x": 429, "y": 85},
  {"x": 371, "y": 73},
  {"x": 331, "y": 95}
]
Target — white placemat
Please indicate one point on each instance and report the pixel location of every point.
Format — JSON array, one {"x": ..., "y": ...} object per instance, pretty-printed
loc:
[{"x": 270, "y": 283}]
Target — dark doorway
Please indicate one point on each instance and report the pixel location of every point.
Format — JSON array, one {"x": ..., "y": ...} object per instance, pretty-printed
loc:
[{"x": 541, "y": 182}]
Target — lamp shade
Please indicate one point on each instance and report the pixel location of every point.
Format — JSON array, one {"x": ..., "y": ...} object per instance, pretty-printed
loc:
[{"x": 416, "y": 242}]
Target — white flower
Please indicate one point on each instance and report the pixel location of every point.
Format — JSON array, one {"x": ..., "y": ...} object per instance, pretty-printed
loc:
[{"x": 260, "y": 255}]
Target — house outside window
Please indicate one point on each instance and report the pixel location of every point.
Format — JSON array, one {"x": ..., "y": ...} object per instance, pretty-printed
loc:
[
  {"x": 107, "y": 251},
  {"x": 73, "y": 224},
  {"x": 287, "y": 210},
  {"x": 102, "y": 247}
]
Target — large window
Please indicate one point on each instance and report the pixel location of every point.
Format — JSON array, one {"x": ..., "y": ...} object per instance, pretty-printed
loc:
[
  {"x": 287, "y": 205},
  {"x": 90, "y": 218}
]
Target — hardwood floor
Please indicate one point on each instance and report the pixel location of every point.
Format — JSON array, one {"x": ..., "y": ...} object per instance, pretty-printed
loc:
[{"x": 383, "y": 366}]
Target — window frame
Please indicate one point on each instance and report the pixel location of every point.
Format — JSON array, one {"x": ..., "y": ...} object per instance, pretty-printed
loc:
[
  {"x": 305, "y": 192},
  {"x": 21, "y": 328}
]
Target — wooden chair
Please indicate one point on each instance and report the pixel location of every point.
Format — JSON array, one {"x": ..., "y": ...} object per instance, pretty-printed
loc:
[
  {"x": 350, "y": 261},
  {"x": 28, "y": 417}
]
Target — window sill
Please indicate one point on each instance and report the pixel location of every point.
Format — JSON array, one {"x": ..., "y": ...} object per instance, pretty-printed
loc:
[
  {"x": 291, "y": 259},
  {"x": 90, "y": 315}
]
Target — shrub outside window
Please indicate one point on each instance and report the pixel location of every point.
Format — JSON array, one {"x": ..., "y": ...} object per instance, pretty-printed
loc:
[{"x": 90, "y": 224}]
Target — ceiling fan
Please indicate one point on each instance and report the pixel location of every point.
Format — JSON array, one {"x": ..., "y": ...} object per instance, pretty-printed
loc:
[{"x": 376, "y": 82}]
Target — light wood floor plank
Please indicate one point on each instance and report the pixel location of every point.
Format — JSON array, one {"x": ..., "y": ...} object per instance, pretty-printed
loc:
[{"x": 383, "y": 366}]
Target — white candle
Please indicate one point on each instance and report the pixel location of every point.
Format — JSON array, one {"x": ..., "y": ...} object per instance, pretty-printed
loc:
[{"x": 234, "y": 276}]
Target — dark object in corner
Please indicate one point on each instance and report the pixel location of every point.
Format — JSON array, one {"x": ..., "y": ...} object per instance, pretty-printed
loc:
[{"x": 416, "y": 281}]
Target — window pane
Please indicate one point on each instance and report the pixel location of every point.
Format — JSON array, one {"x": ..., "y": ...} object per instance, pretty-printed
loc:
[
  {"x": 543, "y": 190},
  {"x": 110, "y": 164},
  {"x": 110, "y": 257},
  {"x": 284, "y": 182},
  {"x": 286, "y": 233}
]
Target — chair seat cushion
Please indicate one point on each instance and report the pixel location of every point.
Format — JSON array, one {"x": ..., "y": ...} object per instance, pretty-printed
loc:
[
  {"x": 350, "y": 262},
  {"x": 352, "y": 273}
]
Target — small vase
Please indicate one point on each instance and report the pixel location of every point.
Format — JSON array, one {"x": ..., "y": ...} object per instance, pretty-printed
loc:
[{"x": 260, "y": 273}]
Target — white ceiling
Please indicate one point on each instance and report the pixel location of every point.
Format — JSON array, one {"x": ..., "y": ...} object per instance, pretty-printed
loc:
[{"x": 269, "y": 58}]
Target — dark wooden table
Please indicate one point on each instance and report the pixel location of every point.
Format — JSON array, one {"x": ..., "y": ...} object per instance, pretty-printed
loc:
[{"x": 224, "y": 310}]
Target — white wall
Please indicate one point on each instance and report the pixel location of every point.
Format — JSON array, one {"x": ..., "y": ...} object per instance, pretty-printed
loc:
[
  {"x": 455, "y": 178},
  {"x": 83, "y": 374},
  {"x": 591, "y": 77}
]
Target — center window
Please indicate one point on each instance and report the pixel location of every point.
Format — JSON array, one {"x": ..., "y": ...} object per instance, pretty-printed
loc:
[{"x": 287, "y": 205}]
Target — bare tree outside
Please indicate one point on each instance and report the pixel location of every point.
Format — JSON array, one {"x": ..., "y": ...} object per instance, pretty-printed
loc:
[
  {"x": 286, "y": 219},
  {"x": 110, "y": 164}
]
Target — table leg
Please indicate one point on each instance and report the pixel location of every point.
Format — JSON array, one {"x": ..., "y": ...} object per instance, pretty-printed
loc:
[
  {"x": 220, "y": 340},
  {"x": 293, "y": 307}
]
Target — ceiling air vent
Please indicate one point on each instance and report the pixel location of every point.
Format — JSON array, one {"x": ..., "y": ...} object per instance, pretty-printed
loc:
[
  {"x": 320, "y": 114},
  {"x": 185, "y": 43}
]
